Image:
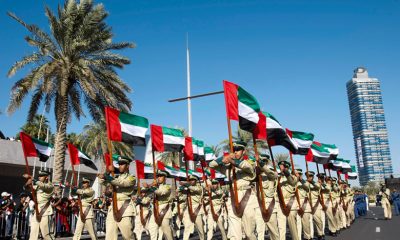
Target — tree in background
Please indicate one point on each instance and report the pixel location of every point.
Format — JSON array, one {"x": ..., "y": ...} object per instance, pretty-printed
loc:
[
  {"x": 38, "y": 127},
  {"x": 73, "y": 65}
]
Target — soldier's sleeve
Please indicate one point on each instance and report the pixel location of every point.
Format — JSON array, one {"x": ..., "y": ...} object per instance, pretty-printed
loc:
[
  {"x": 85, "y": 192},
  {"x": 245, "y": 166},
  {"x": 292, "y": 180},
  {"x": 271, "y": 175},
  {"x": 126, "y": 182},
  {"x": 196, "y": 189},
  {"x": 163, "y": 190},
  {"x": 46, "y": 187}
]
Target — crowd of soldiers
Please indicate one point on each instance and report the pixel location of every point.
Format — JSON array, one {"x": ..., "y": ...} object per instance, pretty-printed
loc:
[{"x": 260, "y": 197}]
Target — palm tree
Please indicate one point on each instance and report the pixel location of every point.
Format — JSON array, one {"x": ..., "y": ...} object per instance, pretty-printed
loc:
[
  {"x": 72, "y": 66},
  {"x": 37, "y": 127}
]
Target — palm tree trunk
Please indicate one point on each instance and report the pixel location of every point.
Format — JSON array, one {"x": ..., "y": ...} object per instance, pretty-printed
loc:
[{"x": 60, "y": 143}]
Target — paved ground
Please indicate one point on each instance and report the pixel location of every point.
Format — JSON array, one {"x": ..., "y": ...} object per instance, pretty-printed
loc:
[{"x": 369, "y": 227}]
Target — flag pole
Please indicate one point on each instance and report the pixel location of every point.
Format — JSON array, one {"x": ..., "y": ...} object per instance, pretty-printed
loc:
[
  {"x": 279, "y": 187},
  {"x": 260, "y": 182},
  {"x": 231, "y": 176},
  {"x": 301, "y": 211},
  {"x": 81, "y": 214},
  {"x": 189, "y": 101},
  {"x": 188, "y": 193}
]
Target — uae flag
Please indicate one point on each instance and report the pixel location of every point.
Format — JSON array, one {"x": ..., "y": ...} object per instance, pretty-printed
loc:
[
  {"x": 209, "y": 154},
  {"x": 194, "y": 149},
  {"x": 318, "y": 154},
  {"x": 277, "y": 135},
  {"x": 33, "y": 147},
  {"x": 173, "y": 173},
  {"x": 78, "y": 157},
  {"x": 332, "y": 149},
  {"x": 352, "y": 174},
  {"x": 302, "y": 140},
  {"x": 167, "y": 139},
  {"x": 113, "y": 161},
  {"x": 340, "y": 164},
  {"x": 144, "y": 171},
  {"x": 241, "y": 106},
  {"x": 125, "y": 127}
]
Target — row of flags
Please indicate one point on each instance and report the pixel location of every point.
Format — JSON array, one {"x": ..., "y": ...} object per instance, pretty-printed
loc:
[{"x": 240, "y": 106}]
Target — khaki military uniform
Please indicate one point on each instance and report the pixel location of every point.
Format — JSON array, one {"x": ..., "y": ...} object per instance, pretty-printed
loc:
[
  {"x": 187, "y": 223},
  {"x": 326, "y": 191},
  {"x": 245, "y": 174},
  {"x": 350, "y": 207},
  {"x": 87, "y": 196},
  {"x": 196, "y": 193},
  {"x": 336, "y": 201},
  {"x": 139, "y": 227},
  {"x": 269, "y": 178},
  {"x": 163, "y": 195},
  {"x": 387, "y": 207},
  {"x": 123, "y": 186},
  {"x": 288, "y": 185},
  {"x": 217, "y": 201},
  {"x": 304, "y": 189},
  {"x": 44, "y": 191},
  {"x": 315, "y": 189}
]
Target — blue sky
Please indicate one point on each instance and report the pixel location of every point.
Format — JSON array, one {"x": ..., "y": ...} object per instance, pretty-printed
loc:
[{"x": 295, "y": 57}]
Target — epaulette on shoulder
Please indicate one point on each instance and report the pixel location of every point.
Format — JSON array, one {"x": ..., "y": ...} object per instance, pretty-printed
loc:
[{"x": 131, "y": 178}]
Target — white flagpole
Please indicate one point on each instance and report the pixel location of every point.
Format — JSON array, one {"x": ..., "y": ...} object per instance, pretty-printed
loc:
[{"x": 188, "y": 86}]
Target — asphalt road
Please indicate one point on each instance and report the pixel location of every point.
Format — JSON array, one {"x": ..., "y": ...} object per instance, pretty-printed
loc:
[{"x": 373, "y": 226}]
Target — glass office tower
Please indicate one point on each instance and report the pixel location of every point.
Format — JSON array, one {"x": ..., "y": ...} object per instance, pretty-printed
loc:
[{"x": 369, "y": 127}]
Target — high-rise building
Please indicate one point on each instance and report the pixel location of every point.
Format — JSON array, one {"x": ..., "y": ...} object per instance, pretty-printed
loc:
[{"x": 369, "y": 128}]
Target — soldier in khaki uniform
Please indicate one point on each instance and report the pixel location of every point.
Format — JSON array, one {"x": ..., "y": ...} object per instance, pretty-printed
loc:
[
  {"x": 162, "y": 193},
  {"x": 316, "y": 209},
  {"x": 217, "y": 198},
  {"x": 343, "y": 201},
  {"x": 87, "y": 194},
  {"x": 269, "y": 177},
  {"x": 245, "y": 175},
  {"x": 142, "y": 202},
  {"x": 327, "y": 190},
  {"x": 350, "y": 205},
  {"x": 44, "y": 190},
  {"x": 304, "y": 189},
  {"x": 288, "y": 183},
  {"x": 187, "y": 224},
  {"x": 123, "y": 186},
  {"x": 336, "y": 204},
  {"x": 387, "y": 207},
  {"x": 196, "y": 193}
]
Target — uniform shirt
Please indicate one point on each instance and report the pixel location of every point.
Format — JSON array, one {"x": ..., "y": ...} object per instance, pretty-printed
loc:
[
  {"x": 269, "y": 178},
  {"x": 44, "y": 191},
  {"x": 163, "y": 193},
  {"x": 245, "y": 171},
  {"x": 335, "y": 191},
  {"x": 123, "y": 184},
  {"x": 87, "y": 196},
  {"x": 217, "y": 196},
  {"x": 315, "y": 189},
  {"x": 196, "y": 193},
  {"x": 288, "y": 185}
]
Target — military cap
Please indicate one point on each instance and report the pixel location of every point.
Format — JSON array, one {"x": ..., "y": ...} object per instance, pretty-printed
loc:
[
  {"x": 299, "y": 170},
  {"x": 193, "y": 177},
  {"x": 239, "y": 145},
  {"x": 285, "y": 163},
  {"x": 86, "y": 180},
  {"x": 5, "y": 194},
  {"x": 264, "y": 157},
  {"x": 162, "y": 173},
  {"x": 43, "y": 173},
  {"x": 334, "y": 179},
  {"x": 124, "y": 160},
  {"x": 214, "y": 181},
  {"x": 321, "y": 175},
  {"x": 329, "y": 178},
  {"x": 310, "y": 173}
]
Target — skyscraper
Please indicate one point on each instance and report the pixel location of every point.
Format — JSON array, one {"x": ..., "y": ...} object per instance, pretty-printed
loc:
[{"x": 369, "y": 128}]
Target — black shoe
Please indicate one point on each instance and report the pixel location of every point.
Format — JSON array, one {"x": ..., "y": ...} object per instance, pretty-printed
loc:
[{"x": 321, "y": 237}]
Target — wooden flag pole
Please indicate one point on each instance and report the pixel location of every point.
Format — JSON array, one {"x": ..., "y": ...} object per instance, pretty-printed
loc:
[
  {"x": 114, "y": 194},
  {"x": 189, "y": 197},
  {"x": 81, "y": 214},
  {"x": 301, "y": 210},
  {"x": 259, "y": 178},
  {"x": 279, "y": 187},
  {"x": 156, "y": 212}
]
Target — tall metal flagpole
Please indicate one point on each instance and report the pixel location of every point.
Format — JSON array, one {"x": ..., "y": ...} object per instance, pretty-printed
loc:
[{"x": 189, "y": 102}]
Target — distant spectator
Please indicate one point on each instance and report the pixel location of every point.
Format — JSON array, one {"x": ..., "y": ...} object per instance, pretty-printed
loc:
[
  {"x": 7, "y": 206},
  {"x": 396, "y": 201}
]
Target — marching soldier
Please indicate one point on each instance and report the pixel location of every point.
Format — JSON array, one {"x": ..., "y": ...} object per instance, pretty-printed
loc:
[
  {"x": 44, "y": 190},
  {"x": 162, "y": 213},
  {"x": 269, "y": 177},
  {"x": 329, "y": 204},
  {"x": 143, "y": 209},
  {"x": 215, "y": 212},
  {"x": 246, "y": 199},
  {"x": 343, "y": 203},
  {"x": 387, "y": 207},
  {"x": 123, "y": 185},
  {"x": 182, "y": 215},
  {"x": 288, "y": 183},
  {"x": 336, "y": 204},
  {"x": 316, "y": 208},
  {"x": 195, "y": 190},
  {"x": 304, "y": 188},
  {"x": 87, "y": 195}
]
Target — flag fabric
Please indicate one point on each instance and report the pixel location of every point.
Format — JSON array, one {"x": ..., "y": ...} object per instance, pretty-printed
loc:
[
  {"x": 125, "y": 127},
  {"x": 260, "y": 132},
  {"x": 241, "y": 106},
  {"x": 277, "y": 135},
  {"x": 194, "y": 149},
  {"x": 340, "y": 164},
  {"x": 78, "y": 157},
  {"x": 209, "y": 154},
  {"x": 302, "y": 140},
  {"x": 353, "y": 173},
  {"x": 35, "y": 148},
  {"x": 171, "y": 170},
  {"x": 167, "y": 139},
  {"x": 318, "y": 154},
  {"x": 332, "y": 149},
  {"x": 144, "y": 171}
]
